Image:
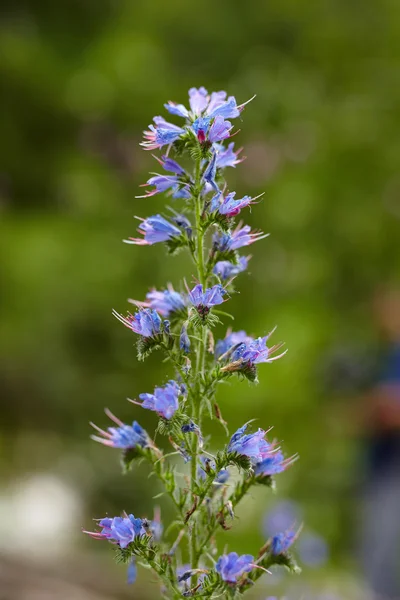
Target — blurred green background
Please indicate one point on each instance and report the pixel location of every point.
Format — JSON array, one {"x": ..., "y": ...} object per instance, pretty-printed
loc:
[{"x": 80, "y": 81}]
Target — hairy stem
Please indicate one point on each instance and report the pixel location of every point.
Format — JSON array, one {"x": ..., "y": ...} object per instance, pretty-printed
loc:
[{"x": 200, "y": 360}]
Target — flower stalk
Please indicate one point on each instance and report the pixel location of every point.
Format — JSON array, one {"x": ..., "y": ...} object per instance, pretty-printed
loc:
[{"x": 181, "y": 325}]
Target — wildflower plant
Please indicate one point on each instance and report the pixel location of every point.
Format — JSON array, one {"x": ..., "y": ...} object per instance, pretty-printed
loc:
[{"x": 179, "y": 323}]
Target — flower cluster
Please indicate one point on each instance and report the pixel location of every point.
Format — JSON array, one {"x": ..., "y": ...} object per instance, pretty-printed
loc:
[{"x": 178, "y": 322}]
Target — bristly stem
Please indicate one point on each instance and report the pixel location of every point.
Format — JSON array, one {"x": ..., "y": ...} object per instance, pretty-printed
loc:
[{"x": 200, "y": 359}]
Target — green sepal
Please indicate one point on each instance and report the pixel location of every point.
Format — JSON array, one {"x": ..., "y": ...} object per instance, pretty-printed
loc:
[{"x": 145, "y": 346}]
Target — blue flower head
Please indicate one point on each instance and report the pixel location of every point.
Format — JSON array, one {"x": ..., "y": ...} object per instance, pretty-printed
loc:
[
  {"x": 281, "y": 542},
  {"x": 256, "y": 351},
  {"x": 211, "y": 296},
  {"x": 145, "y": 322},
  {"x": 226, "y": 269},
  {"x": 232, "y": 339},
  {"x": 252, "y": 445},
  {"x": 119, "y": 530},
  {"x": 273, "y": 463},
  {"x": 227, "y": 157},
  {"x": 154, "y": 229},
  {"x": 232, "y": 566},
  {"x": 241, "y": 236},
  {"x": 162, "y": 134},
  {"x": 211, "y": 171},
  {"x": 214, "y": 105},
  {"x": 166, "y": 302},
  {"x": 160, "y": 183},
  {"x": 163, "y": 401},
  {"x": 184, "y": 341},
  {"x": 124, "y": 436},
  {"x": 228, "y": 206}
]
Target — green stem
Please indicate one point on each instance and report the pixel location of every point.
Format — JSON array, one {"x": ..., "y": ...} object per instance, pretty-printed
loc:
[{"x": 200, "y": 362}]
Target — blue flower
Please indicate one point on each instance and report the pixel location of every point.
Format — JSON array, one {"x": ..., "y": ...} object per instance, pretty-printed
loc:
[
  {"x": 203, "y": 301},
  {"x": 232, "y": 566},
  {"x": 154, "y": 229},
  {"x": 219, "y": 130},
  {"x": 132, "y": 571},
  {"x": 230, "y": 207},
  {"x": 177, "y": 109},
  {"x": 170, "y": 165},
  {"x": 198, "y": 100},
  {"x": 184, "y": 223},
  {"x": 202, "y": 104},
  {"x": 227, "y": 109},
  {"x": 145, "y": 322},
  {"x": 281, "y": 542},
  {"x": 163, "y": 401},
  {"x": 119, "y": 530},
  {"x": 123, "y": 436},
  {"x": 257, "y": 351},
  {"x": 211, "y": 171},
  {"x": 193, "y": 428},
  {"x": 177, "y": 183},
  {"x": 273, "y": 463},
  {"x": 252, "y": 445},
  {"x": 166, "y": 302},
  {"x": 184, "y": 341},
  {"x": 226, "y": 157},
  {"x": 161, "y": 184},
  {"x": 225, "y": 269},
  {"x": 215, "y": 130},
  {"x": 241, "y": 236},
  {"x": 232, "y": 339},
  {"x": 162, "y": 134}
]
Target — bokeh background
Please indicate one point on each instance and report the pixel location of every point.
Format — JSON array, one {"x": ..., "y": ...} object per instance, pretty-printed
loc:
[{"x": 80, "y": 81}]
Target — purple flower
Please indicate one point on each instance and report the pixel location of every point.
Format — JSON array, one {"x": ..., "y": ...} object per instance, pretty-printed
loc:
[
  {"x": 162, "y": 134},
  {"x": 191, "y": 427},
  {"x": 217, "y": 99},
  {"x": 184, "y": 341},
  {"x": 200, "y": 127},
  {"x": 154, "y": 229},
  {"x": 230, "y": 207},
  {"x": 225, "y": 269},
  {"x": 170, "y": 165},
  {"x": 241, "y": 236},
  {"x": 156, "y": 527},
  {"x": 257, "y": 351},
  {"x": 164, "y": 400},
  {"x": 211, "y": 171},
  {"x": 252, "y": 445},
  {"x": 184, "y": 223},
  {"x": 281, "y": 542},
  {"x": 166, "y": 302},
  {"x": 145, "y": 322},
  {"x": 232, "y": 566},
  {"x": 177, "y": 109},
  {"x": 198, "y": 100},
  {"x": 211, "y": 106},
  {"x": 226, "y": 157},
  {"x": 123, "y": 436},
  {"x": 215, "y": 130},
  {"x": 205, "y": 300},
  {"x": 232, "y": 339},
  {"x": 273, "y": 463},
  {"x": 219, "y": 130},
  {"x": 227, "y": 110},
  {"x": 161, "y": 183},
  {"x": 119, "y": 530},
  {"x": 132, "y": 571}
]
